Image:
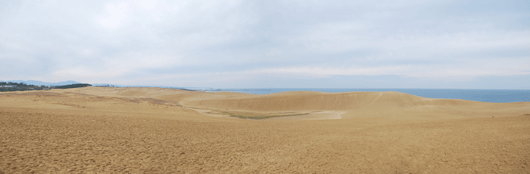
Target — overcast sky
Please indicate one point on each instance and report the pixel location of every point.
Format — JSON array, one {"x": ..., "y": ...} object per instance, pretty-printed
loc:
[{"x": 269, "y": 44}]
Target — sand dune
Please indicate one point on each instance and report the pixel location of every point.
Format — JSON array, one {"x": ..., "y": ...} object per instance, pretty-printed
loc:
[
  {"x": 322, "y": 101},
  {"x": 155, "y": 130},
  {"x": 377, "y": 104}
]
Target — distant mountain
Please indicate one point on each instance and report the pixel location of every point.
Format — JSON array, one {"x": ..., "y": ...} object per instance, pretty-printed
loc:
[
  {"x": 115, "y": 85},
  {"x": 106, "y": 84},
  {"x": 39, "y": 83}
]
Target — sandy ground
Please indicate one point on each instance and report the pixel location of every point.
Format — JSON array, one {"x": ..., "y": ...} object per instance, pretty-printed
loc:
[{"x": 154, "y": 130}]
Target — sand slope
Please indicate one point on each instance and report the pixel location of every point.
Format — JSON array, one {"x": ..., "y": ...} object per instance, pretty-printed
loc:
[
  {"x": 154, "y": 130},
  {"x": 365, "y": 104}
]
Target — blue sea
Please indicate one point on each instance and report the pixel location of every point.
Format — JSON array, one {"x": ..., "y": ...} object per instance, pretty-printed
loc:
[{"x": 483, "y": 95}]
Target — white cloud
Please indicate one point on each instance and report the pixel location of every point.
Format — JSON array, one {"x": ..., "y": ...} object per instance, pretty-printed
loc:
[
  {"x": 326, "y": 72},
  {"x": 406, "y": 71},
  {"x": 132, "y": 62},
  {"x": 147, "y": 4},
  {"x": 210, "y": 41},
  {"x": 116, "y": 14},
  {"x": 85, "y": 72}
]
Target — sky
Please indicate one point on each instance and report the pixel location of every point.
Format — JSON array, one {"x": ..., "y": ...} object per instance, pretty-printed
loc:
[{"x": 458, "y": 44}]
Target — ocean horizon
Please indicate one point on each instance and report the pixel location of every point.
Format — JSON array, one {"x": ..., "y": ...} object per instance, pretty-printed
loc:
[{"x": 482, "y": 95}]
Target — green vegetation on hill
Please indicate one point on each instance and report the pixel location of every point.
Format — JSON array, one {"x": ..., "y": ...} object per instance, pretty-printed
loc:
[
  {"x": 259, "y": 116},
  {"x": 79, "y": 85},
  {"x": 10, "y": 86}
]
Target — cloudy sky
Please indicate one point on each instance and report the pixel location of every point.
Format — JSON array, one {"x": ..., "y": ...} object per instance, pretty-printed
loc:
[{"x": 269, "y": 43}]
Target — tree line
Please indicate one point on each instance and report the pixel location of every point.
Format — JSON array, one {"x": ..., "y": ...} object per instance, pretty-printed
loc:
[{"x": 13, "y": 86}]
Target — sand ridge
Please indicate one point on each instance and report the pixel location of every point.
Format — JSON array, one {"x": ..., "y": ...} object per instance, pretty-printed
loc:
[{"x": 155, "y": 130}]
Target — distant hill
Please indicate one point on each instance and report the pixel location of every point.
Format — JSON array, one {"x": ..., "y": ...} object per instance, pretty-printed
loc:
[
  {"x": 184, "y": 88},
  {"x": 14, "y": 86},
  {"x": 70, "y": 82},
  {"x": 39, "y": 83},
  {"x": 112, "y": 85}
]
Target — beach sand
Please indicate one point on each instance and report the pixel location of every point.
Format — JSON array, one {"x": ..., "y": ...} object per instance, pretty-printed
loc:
[{"x": 155, "y": 130}]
